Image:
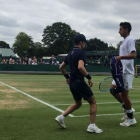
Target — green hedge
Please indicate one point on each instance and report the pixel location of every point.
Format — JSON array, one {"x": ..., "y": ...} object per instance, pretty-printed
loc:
[{"x": 47, "y": 68}]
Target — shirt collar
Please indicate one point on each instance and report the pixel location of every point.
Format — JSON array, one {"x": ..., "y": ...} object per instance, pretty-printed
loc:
[{"x": 76, "y": 48}]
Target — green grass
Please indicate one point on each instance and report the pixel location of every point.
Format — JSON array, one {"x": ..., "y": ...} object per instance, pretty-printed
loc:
[{"x": 22, "y": 118}]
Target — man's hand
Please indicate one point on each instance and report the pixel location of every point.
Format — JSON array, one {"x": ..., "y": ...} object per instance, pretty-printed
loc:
[
  {"x": 90, "y": 83},
  {"x": 118, "y": 58}
]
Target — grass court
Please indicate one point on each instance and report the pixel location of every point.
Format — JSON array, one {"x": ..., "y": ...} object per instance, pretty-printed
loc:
[{"x": 29, "y": 104}]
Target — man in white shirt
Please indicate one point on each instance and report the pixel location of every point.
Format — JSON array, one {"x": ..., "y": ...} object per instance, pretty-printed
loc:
[
  {"x": 127, "y": 54},
  {"x": 10, "y": 59},
  {"x": 30, "y": 61}
]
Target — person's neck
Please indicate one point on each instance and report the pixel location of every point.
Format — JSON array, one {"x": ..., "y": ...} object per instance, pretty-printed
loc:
[
  {"x": 126, "y": 36},
  {"x": 78, "y": 46}
]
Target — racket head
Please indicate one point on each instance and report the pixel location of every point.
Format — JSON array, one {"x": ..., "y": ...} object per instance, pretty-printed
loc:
[{"x": 105, "y": 84}]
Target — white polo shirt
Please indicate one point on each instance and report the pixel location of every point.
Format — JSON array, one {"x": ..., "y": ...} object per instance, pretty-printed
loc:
[{"x": 127, "y": 46}]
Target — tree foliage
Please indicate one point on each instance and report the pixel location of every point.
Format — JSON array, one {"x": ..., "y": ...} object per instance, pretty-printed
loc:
[
  {"x": 3, "y": 44},
  {"x": 36, "y": 50},
  {"x": 31, "y": 42},
  {"x": 137, "y": 44},
  {"x": 118, "y": 45},
  {"x": 58, "y": 38},
  {"x": 111, "y": 47},
  {"x": 96, "y": 44},
  {"x": 21, "y": 43}
]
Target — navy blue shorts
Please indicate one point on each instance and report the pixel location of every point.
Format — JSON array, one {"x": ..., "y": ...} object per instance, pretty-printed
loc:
[{"x": 80, "y": 89}]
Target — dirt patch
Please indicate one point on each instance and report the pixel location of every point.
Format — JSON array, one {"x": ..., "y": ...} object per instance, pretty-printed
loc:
[
  {"x": 7, "y": 96},
  {"x": 7, "y": 91},
  {"x": 1, "y": 85},
  {"x": 39, "y": 90},
  {"x": 12, "y": 104},
  {"x": 23, "y": 84}
]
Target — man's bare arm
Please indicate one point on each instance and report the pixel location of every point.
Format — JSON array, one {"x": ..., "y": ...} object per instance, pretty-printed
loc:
[
  {"x": 84, "y": 72},
  {"x": 63, "y": 71},
  {"x": 132, "y": 55}
]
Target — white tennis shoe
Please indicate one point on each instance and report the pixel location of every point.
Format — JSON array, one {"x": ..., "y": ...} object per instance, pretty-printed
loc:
[
  {"x": 60, "y": 121},
  {"x": 125, "y": 115},
  {"x": 94, "y": 129},
  {"x": 128, "y": 122}
]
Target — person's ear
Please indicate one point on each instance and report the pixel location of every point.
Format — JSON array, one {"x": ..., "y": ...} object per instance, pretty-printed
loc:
[{"x": 81, "y": 42}]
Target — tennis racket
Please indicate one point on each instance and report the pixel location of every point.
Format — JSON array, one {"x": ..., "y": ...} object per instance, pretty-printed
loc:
[{"x": 105, "y": 84}]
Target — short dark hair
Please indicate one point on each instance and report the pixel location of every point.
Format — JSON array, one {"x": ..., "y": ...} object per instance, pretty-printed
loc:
[
  {"x": 78, "y": 38},
  {"x": 126, "y": 25}
]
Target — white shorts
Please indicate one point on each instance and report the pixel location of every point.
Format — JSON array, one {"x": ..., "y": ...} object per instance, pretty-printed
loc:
[{"x": 127, "y": 80}]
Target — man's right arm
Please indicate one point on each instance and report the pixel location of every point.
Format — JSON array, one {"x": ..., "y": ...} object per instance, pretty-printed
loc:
[{"x": 84, "y": 72}]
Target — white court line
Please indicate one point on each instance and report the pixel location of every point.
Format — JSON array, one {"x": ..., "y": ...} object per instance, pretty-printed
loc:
[
  {"x": 36, "y": 99},
  {"x": 135, "y": 88},
  {"x": 105, "y": 114},
  {"x": 98, "y": 103}
]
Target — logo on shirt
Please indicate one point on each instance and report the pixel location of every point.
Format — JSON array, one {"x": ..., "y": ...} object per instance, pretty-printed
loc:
[{"x": 72, "y": 52}]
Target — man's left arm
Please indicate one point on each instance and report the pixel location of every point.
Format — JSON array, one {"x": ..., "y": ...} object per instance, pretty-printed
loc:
[
  {"x": 131, "y": 49},
  {"x": 132, "y": 55}
]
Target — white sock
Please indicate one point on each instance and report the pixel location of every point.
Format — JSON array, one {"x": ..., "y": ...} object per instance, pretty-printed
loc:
[
  {"x": 92, "y": 124},
  {"x": 123, "y": 104},
  {"x": 62, "y": 117},
  {"x": 129, "y": 111}
]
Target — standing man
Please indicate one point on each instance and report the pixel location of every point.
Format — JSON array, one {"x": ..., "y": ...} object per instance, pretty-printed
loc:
[
  {"x": 78, "y": 87},
  {"x": 10, "y": 59},
  {"x": 30, "y": 61},
  {"x": 52, "y": 60},
  {"x": 127, "y": 54}
]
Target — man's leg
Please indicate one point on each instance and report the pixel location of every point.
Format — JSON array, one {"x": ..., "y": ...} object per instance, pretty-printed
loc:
[
  {"x": 60, "y": 119},
  {"x": 117, "y": 96},
  {"x": 130, "y": 119},
  {"x": 92, "y": 104},
  {"x": 120, "y": 99},
  {"x": 92, "y": 127},
  {"x": 72, "y": 108},
  {"x": 126, "y": 100}
]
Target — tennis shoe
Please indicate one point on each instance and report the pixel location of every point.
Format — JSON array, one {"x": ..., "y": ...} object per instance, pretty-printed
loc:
[
  {"x": 124, "y": 117},
  {"x": 128, "y": 122},
  {"x": 60, "y": 121},
  {"x": 94, "y": 129},
  {"x": 125, "y": 114}
]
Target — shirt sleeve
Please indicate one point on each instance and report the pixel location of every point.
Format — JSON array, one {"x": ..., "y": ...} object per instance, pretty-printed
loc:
[
  {"x": 131, "y": 46},
  {"x": 66, "y": 60},
  {"x": 82, "y": 56}
]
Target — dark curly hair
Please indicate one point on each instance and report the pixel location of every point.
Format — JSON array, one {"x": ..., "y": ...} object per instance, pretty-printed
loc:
[{"x": 126, "y": 25}]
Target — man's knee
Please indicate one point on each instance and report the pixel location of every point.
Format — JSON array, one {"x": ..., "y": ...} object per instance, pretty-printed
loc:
[
  {"x": 78, "y": 104},
  {"x": 125, "y": 94},
  {"x": 112, "y": 88},
  {"x": 111, "y": 92},
  {"x": 92, "y": 100}
]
